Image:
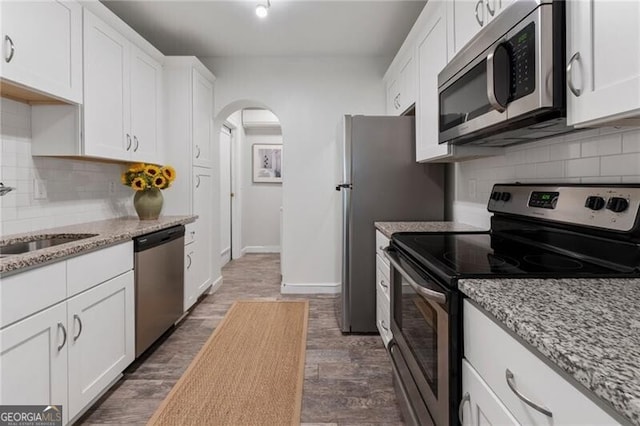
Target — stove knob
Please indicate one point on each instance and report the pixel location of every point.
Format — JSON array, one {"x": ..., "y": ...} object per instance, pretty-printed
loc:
[
  {"x": 617, "y": 204},
  {"x": 506, "y": 196},
  {"x": 594, "y": 203},
  {"x": 496, "y": 195}
]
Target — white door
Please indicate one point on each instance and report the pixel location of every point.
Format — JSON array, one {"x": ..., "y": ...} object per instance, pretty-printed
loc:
[
  {"x": 480, "y": 406},
  {"x": 146, "y": 81},
  {"x": 432, "y": 57},
  {"x": 101, "y": 338},
  {"x": 202, "y": 120},
  {"x": 42, "y": 46},
  {"x": 202, "y": 206},
  {"x": 225, "y": 195},
  {"x": 603, "y": 45},
  {"x": 106, "y": 91},
  {"x": 33, "y": 360}
]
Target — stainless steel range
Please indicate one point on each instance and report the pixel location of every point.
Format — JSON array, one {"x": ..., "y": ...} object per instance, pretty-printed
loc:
[{"x": 537, "y": 231}]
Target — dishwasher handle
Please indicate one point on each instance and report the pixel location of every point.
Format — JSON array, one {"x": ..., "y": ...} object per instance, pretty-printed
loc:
[{"x": 145, "y": 242}]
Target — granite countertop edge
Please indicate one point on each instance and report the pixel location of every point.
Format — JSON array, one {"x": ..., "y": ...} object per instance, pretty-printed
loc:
[
  {"x": 625, "y": 402},
  {"x": 109, "y": 232},
  {"x": 390, "y": 228}
]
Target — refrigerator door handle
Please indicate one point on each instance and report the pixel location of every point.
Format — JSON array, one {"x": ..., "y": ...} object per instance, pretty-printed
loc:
[{"x": 341, "y": 186}]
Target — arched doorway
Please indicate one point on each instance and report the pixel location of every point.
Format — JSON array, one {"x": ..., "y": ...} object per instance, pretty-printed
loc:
[{"x": 250, "y": 144}]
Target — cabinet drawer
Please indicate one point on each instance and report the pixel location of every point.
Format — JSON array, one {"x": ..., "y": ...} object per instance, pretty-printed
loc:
[
  {"x": 382, "y": 316},
  {"x": 381, "y": 243},
  {"x": 492, "y": 351},
  {"x": 189, "y": 233},
  {"x": 28, "y": 292},
  {"x": 86, "y": 271}
]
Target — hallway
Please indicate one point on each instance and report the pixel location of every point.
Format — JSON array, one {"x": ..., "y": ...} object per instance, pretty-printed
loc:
[{"x": 347, "y": 378}]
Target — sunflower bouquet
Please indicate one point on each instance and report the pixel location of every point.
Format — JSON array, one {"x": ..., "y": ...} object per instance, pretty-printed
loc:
[{"x": 142, "y": 176}]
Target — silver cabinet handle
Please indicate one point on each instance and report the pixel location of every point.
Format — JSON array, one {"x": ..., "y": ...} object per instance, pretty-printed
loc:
[
  {"x": 383, "y": 325},
  {"x": 12, "y": 47},
  {"x": 529, "y": 402},
  {"x": 427, "y": 293},
  {"x": 128, "y": 142},
  {"x": 480, "y": 21},
  {"x": 135, "y": 148},
  {"x": 64, "y": 336},
  {"x": 197, "y": 181},
  {"x": 465, "y": 398},
  {"x": 77, "y": 318},
  {"x": 198, "y": 153},
  {"x": 190, "y": 261},
  {"x": 382, "y": 283},
  {"x": 491, "y": 11},
  {"x": 577, "y": 92}
]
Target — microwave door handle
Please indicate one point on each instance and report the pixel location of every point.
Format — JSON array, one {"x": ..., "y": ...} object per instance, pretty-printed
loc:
[
  {"x": 499, "y": 105},
  {"x": 427, "y": 293}
]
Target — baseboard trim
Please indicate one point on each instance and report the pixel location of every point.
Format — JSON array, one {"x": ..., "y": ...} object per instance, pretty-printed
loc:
[
  {"x": 310, "y": 288},
  {"x": 215, "y": 286},
  {"x": 261, "y": 249},
  {"x": 472, "y": 213}
]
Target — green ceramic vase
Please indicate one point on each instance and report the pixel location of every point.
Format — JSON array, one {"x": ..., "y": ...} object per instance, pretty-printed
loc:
[{"x": 148, "y": 203}]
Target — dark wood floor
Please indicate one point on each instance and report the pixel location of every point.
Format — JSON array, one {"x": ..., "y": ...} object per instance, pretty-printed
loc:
[{"x": 347, "y": 378}]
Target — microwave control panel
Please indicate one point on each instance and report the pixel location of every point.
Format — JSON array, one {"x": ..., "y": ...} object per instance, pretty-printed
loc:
[{"x": 522, "y": 49}]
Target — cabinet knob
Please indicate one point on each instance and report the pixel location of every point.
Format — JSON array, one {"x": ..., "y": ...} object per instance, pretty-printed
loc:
[{"x": 12, "y": 48}]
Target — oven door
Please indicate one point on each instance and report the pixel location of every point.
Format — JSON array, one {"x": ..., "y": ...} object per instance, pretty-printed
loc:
[
  {"x": 421, "y": 330},
  {"x": 499, "y": 79}
]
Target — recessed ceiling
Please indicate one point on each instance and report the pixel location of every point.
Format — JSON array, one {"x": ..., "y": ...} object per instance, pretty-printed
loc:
[{"x": 293, "y": 28}]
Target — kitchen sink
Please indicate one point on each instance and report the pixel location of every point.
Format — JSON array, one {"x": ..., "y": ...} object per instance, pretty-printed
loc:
[{"x": 40, "y": 242}]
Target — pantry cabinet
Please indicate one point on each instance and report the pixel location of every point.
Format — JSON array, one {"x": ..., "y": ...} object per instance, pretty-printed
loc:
[
  {"x": 42, "y": 48},
  {"x": 122, "y": 92},
  {"x": 33, "y": 360},
  {"x": 603, "y": 64}
]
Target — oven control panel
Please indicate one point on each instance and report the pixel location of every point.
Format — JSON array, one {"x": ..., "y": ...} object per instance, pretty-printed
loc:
[{"x": 613, "y": 207}]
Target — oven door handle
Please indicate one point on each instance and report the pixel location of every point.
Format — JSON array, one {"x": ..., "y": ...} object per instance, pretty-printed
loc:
[{"x": 427, "y": 293}]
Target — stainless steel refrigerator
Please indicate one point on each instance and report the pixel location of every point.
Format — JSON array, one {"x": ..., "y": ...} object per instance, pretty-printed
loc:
[{"x": 381, "y": 182}]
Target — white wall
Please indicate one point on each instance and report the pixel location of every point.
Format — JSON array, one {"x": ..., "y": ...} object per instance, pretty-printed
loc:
[
  {"x": 261, "y": 201},
  {"x": 309, "y": 96},
  {"x": 77, "y": 191},
  {"x": 604, "y": 155}
]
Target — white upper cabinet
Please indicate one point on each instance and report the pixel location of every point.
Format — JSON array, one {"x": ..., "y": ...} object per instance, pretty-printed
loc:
[
  {"x": 603, "y": 61},
  {"x": 401, "y": 82},
  {"x": 202, "y": 119},
  {"x": 106, "y": 91},
  {"x": 468, "y": 17},
  {"x": 146, "y": 106},
  {"x": 42, "y": 47}
]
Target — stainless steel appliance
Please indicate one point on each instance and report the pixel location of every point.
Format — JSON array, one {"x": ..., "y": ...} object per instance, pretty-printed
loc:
[
  {"x": 159, "y": 283},
  {"x": 537, "y": 231},
  {"x": 381, "y": 181},
  {"x": 507, "y": 85}
]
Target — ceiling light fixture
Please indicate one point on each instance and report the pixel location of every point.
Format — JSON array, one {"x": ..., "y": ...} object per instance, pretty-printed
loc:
[{"x": 262, "y": 8}]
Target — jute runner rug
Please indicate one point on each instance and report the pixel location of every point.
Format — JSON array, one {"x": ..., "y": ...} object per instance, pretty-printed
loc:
[{"x": 249, "y": 372}]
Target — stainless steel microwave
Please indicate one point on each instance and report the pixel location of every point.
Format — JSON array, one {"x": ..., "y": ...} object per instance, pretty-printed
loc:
[{"x": 507, "y": 85}]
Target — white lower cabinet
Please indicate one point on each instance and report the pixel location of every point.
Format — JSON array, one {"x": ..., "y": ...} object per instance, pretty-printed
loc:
[
  {"x": 514, "y": 373},
  {"x": 383, "y": 294},
  {"x": 480, "y": 406},
  {"x": 101, "y": 338},
  {"x": 33, "y": 360},
  {"x": 190, "y": 279}
]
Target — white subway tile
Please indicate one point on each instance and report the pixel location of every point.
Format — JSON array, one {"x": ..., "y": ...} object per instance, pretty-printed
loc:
[
  {"x": 631, "y": 179},
  {"x": 620, "y": 165},
  {"x": 537, "y": 155},
  {"x": 526, "y": 171},
  {"x": 552, "y": 169},
  {"x": 582, "y": 167},
  {"x": 601, "y": 179},
  {"x": 602, "y": 145},
  {"x": 631, "y": 141},
  {"x": 565, "y": 151}
]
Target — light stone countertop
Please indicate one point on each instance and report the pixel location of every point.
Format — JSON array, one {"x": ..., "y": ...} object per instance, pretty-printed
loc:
[
  {"x": 589, "y": 328},
  {"x": 390, "y": 228},
  {"x": 109, "y": 232}
]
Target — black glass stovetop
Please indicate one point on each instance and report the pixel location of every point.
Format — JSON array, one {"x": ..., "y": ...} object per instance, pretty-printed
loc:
[{"x": 458, "y": 255}]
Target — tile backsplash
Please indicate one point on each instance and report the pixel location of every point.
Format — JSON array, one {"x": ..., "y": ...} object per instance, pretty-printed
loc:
[
  {"x": 606, "y": 155},
  {"x": 76, "y": 191}
]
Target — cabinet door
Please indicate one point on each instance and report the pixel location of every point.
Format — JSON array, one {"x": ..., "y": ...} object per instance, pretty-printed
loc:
[
  {"x": 202, "y": 206},
  {"x": 432, "y": 57},
  {"x": 605, "y": 64},
  {"x": 469, "y": 17},
  {"x": 393, "y": 93},
  {"x": 101, "y": 338},
  {"x": 494, "y": 7},
  {"x": 190, "y": 278},
  {"x": 42, "y": 46},
  {"x": 202, "y": 120},
  {"x": 106, "y": 91},
  {"x": 33, "y": 360},
  {"x": 146, "y": 83},
  {"x": 480, "y": 406},
  {"x": 407, "y": 83}
]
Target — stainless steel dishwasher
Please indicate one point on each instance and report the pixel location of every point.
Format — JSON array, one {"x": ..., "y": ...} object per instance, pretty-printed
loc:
[{"x": 159, "y": 273}]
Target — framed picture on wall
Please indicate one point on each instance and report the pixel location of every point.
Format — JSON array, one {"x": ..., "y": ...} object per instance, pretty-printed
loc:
[{"x": 267, "y": 163}]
